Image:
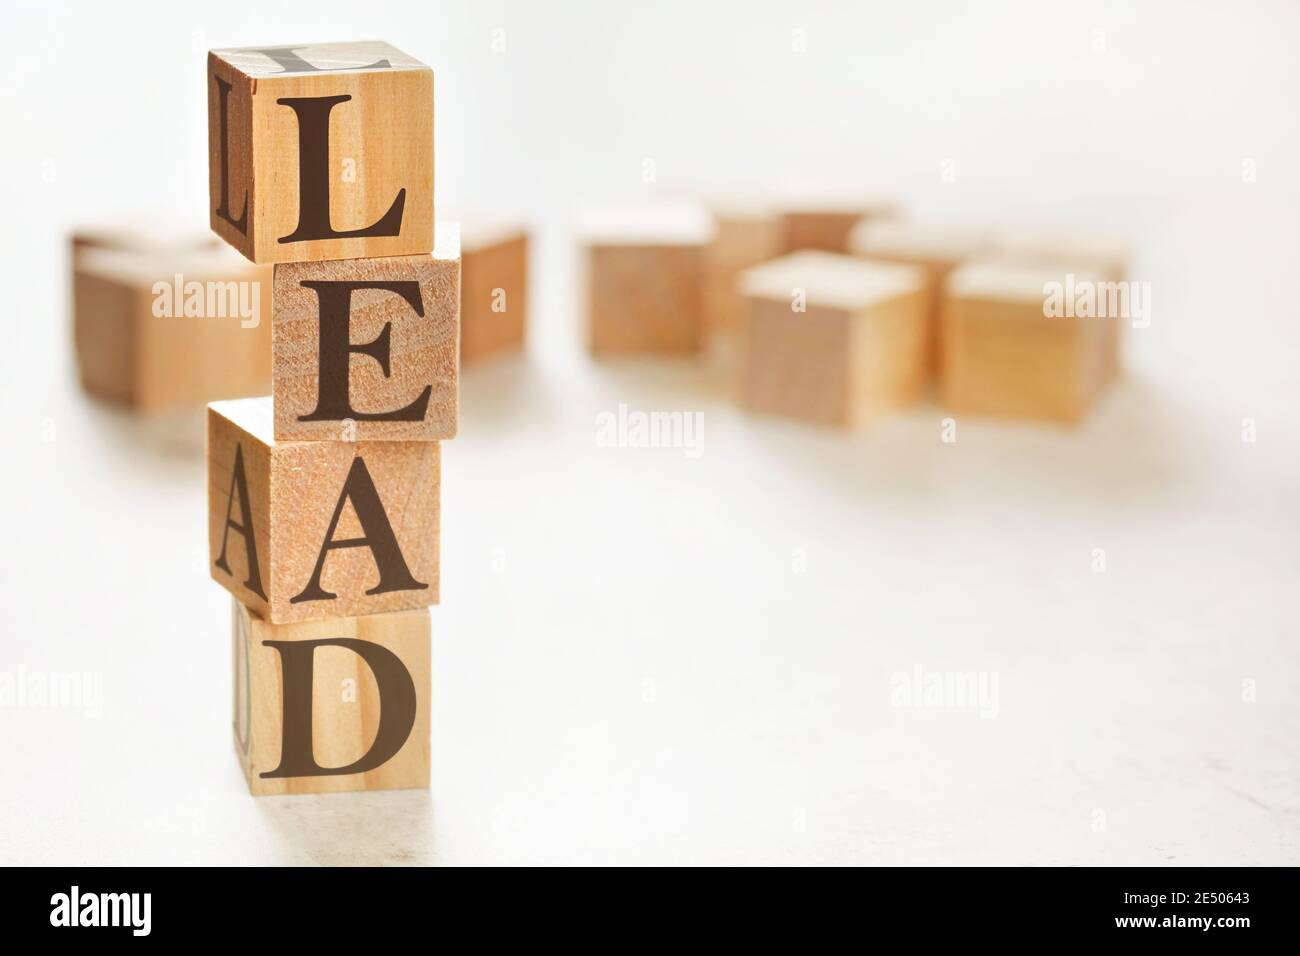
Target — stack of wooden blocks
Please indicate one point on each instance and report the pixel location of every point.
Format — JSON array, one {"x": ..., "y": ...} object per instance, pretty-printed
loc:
[{"x": 324, "y": 499}]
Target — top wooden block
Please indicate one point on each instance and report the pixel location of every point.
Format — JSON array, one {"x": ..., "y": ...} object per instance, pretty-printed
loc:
[
  {"x": 1104, "y": 255},
  {"x": 320, "y": 151}
]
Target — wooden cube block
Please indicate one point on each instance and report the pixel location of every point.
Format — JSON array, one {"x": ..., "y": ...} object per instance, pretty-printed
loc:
[
  {"x": 302, "y": 530},
  {"x": 747, "y": 233},
  {"x": 822, "y": 219},
  {"x": 1003, "y": 356},
  {"x": 164, "y": 331},
  {"x": 494, "y": 289},
  {"x": 335, "y": 704},
  {"x": 645, "y": 275},
  {"x": 1101, "y": 255},
  {"x": 935, "y": 248},
  {"x": 833, "y": 339},
  {"x": 321, "y": 151},
  {"x": 366, "y": 349}
]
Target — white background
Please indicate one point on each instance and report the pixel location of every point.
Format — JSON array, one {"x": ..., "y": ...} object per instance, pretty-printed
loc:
[{"x": 628, "y": 665}]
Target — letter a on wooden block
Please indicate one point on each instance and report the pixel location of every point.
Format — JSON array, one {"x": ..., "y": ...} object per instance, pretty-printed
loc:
[
  {"x": 320, "y": 151},
  {"x": 303, "y": 530},
  {"x": 335, "y": 704},
  {"x": 833, "y": 339},
  {"x": 366, "y": 349}
]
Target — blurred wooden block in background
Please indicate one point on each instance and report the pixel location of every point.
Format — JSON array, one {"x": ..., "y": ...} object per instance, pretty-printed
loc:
[
  {"x": 335, "y": 704},
  {"x": 747, "y": 234},
  {"x": 833, "y": 339},
  {"x": 494, "y": 288},
  {"x": 166, "y": 330},
  {"x": 645, "y": 280},
  {"x": 303, "y": 530},
  {"x": 320, "y": 151},
  {"x": 366, "y": 349},
  {"x": 1092, "y": 254},
  {"x": 935, "y": 248},
  {"x": 823, "y": 219},
  {"x": 1003, "y": 356}
]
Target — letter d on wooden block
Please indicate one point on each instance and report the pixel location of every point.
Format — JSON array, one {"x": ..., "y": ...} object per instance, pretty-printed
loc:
[
  {"x": 366, "y": 349},
  {"x": 304, "y": 530},
  {"x": 335, "y": 704},
  {"x": 320, "y": 151}
]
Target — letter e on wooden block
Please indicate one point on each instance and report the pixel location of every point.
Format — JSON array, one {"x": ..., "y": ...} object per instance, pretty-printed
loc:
[
  {"x": 645, "y": 280},
  {"x": 494, "y": 289},
  {"x": 366, "y": 349},
  {"x": 303, "y": 530},
  {"x": 320, "y": 151},
  {"x": 340, "y": 703},
  {"x": 1005, "y": 355},
  {"x": 831, "y": 338}
]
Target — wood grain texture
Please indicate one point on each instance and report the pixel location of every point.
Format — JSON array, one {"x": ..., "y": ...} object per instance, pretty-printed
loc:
[
  {"x": 135, "y": 349},
  {"x": 346, "y": 700},
  {"x": 855, "y": 352},
  {"x": 1002, "y": 356},
  {"x": 935, "y": 248},
  {"x": 494, "y": 290},
  {"x": 294, "y": 490},
  {"x": 422, "y": 349},
  {"x": 380, "y": 143}
]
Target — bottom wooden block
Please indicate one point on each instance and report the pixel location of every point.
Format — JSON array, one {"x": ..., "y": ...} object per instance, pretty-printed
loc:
[{"x": 334, "y": 704}]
